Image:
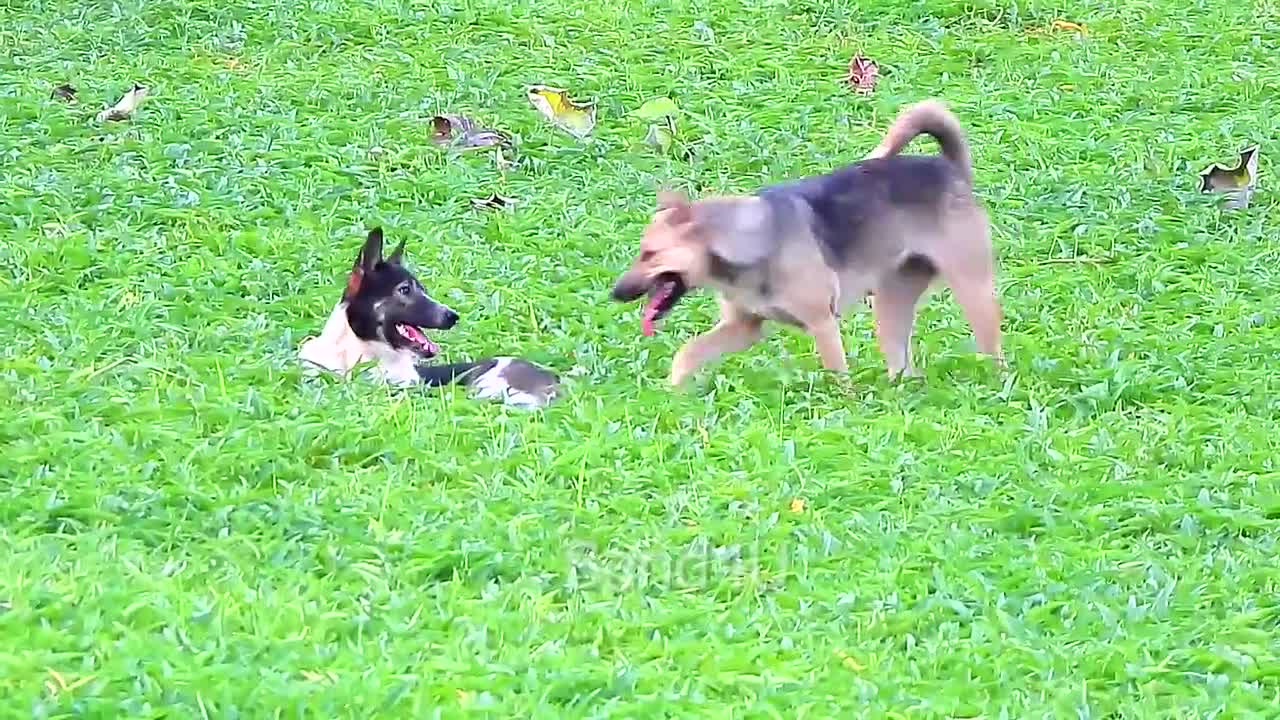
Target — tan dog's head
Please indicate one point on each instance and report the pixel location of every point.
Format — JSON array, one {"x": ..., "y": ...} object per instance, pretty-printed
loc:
[{"x": 683, "y": 242}]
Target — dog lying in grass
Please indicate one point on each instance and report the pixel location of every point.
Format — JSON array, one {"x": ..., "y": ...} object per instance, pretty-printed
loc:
[
  {"x": 888, "y": 227},
  {"x": 383, "y": 315}
]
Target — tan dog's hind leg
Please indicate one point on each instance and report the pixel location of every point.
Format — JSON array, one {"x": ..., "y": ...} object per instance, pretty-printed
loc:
[
  {"x": 895, "y": 315},
  {"x": 826, "y": 335},
  {"x": 737, "y": 330},
  {"x": 973, "y": 282},
  {"x": 978, "y": 300}
]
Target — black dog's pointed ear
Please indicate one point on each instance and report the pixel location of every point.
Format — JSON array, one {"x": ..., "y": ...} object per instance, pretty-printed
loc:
[
  {"x": 370, "y": 255},
  {"x": 396, "y": 255}
]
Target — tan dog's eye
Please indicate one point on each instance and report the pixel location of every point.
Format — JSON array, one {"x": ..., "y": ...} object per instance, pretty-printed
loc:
[{"x": 646, "y": 255}]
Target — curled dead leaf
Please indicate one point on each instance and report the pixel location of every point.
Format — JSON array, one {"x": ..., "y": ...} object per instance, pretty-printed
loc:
[
  {"x": 661, "y": 114},
  {"x": 662, "y": 135},
  {"x": 1236, "y": 183},
  {"x": 656, "y": 108},
  {"x": 577, "y": 119},
  {"x": 863, "y": 74},
  {"x": 500, "y": 159},
  {"x": 64, "y": 92},
  {"x": 125, "y": 107},
  {"x": 460, "y": 132},
  {"x": 493, "y": 202}
]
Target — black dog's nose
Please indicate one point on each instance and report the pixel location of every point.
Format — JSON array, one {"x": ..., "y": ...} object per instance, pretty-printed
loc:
[{"x": 450, "y": 319}]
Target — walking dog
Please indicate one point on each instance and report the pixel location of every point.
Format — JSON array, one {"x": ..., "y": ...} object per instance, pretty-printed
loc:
[
  {"x": 889, "y": 227},
  {"x": 382, "y": 316}
]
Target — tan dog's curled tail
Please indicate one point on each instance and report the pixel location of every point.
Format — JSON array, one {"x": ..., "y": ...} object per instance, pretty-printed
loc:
[{"x": 929, "y": 117}]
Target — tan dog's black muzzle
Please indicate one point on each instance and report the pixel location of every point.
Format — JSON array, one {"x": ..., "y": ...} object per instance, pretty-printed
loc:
[{"x": 629, "y": 287}]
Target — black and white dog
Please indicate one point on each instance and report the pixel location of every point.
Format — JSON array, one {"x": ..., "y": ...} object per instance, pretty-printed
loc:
[{"x": 382, "y": 317}]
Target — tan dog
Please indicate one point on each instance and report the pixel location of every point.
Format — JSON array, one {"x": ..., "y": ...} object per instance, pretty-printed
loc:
[{"x": 801, "y": 253}]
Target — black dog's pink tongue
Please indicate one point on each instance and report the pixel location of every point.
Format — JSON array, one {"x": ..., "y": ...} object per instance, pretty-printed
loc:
[{"x": 416, "y": 335}]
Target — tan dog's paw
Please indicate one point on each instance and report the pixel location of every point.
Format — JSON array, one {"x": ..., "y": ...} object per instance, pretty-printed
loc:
[
  {"x": 678, "y": 376},
  {"x": 844, "y": 384},
  {"x": 683, "y": 365},
  {"x": 906, "y": 374}
]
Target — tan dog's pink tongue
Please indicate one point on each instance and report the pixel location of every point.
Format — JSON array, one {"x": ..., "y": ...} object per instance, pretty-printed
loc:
[{"x": 650, "y": 310}]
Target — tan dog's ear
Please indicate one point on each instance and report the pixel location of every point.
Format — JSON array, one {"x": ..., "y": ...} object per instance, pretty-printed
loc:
[
  {"x": 677, "y": 202},
  {"x": 739, "y": 232}
]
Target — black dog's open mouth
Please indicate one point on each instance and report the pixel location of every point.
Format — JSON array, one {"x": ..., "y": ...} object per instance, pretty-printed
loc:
[
  {"x": 667, "y": 290},
  {"x": 418, "y": 341}
]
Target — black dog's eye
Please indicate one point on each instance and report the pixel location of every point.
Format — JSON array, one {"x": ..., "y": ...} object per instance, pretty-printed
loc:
[{"x": 405, "y": 289}]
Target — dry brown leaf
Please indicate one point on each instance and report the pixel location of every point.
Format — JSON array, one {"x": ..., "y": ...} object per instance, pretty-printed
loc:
[
  {"x": 863, "y": 74},
  {"x": 462, "y": 133},
  {"x": 1235, "y": 183},
  {"x": 64, "y": 92}
]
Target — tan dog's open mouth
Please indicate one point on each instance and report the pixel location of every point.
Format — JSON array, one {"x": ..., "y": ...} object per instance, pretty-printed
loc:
[{"x": 667, "y": 290}]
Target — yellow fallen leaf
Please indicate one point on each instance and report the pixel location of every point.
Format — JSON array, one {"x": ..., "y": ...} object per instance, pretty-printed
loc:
[
  {"x": 1067, "y": 87},
  {"x": 81, "y": 682},
  {"x": 797, "y": 505},
  {"x": 463, "y": 696},
  {"x": 849, "y": 662},
  {"x": 577, "y": 119},
  {"x": 56, "y": 676},
  {"x": 59, "y": 684},
  {"x": 1067, "y": 25},
  {"x": 320, "y": 677}
]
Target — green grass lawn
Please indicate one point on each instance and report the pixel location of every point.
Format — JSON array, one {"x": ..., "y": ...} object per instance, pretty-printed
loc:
[{"x": 191, "y": 528}]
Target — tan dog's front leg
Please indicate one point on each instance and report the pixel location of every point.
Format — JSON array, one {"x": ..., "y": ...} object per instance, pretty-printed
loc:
[
  {"x": 734, "y": 332},
  {"x": 826, "y": 334}
]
